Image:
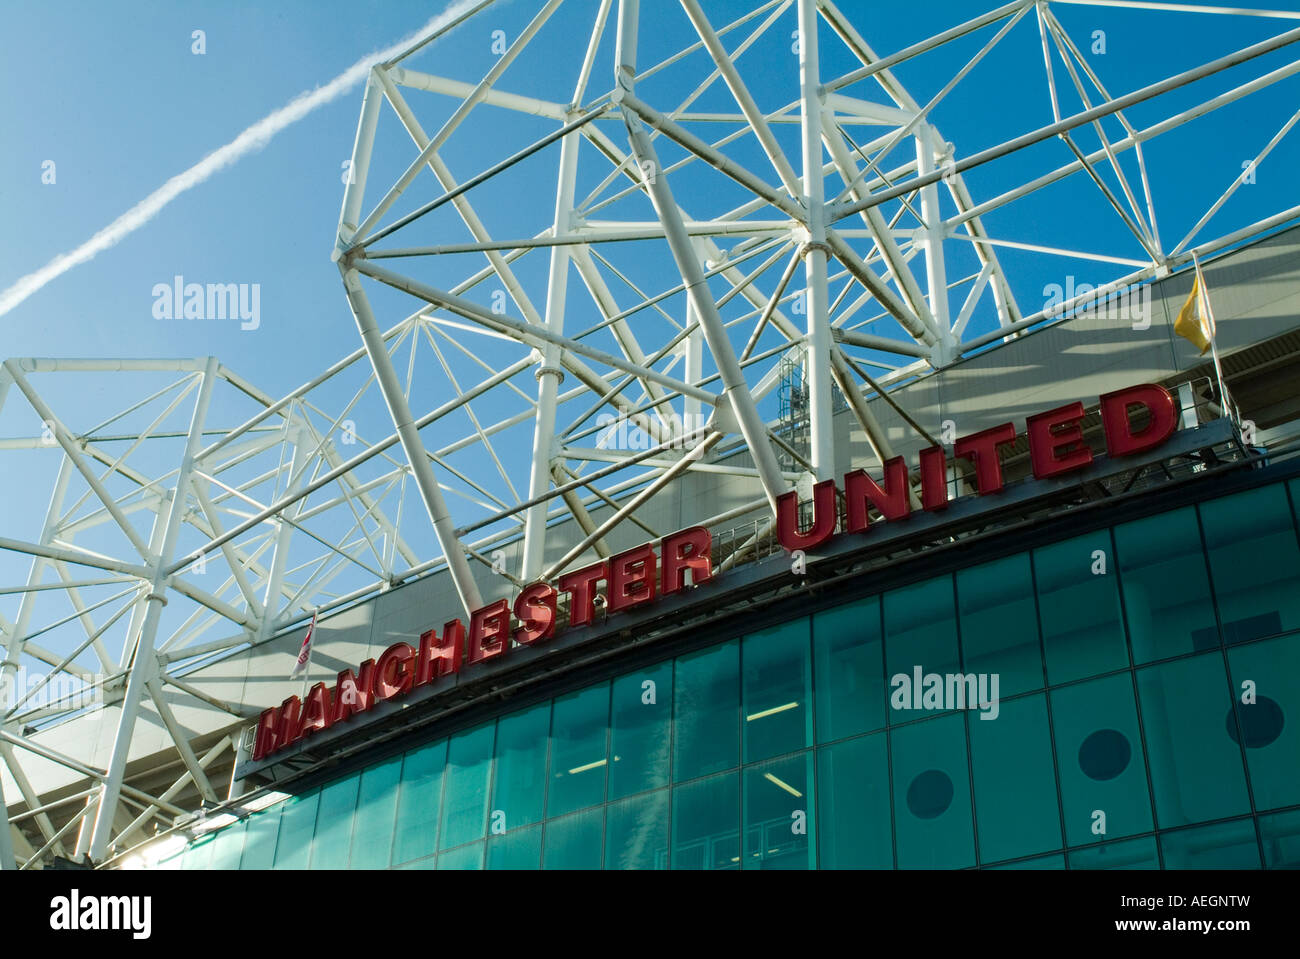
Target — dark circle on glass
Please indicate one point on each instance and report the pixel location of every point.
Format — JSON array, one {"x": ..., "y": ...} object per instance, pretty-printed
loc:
[
  {"x": 930, "y": 794},
  {"x": 1261, "y": 723},
  {"x": 1105, "y": 754}
]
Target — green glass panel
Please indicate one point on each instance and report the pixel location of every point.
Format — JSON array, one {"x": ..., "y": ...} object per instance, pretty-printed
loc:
[
  {"x": 932, "y": 794},
  {"x": 199, "y": 854},
  {"x": 297, "y": 822},
  {"x": 1129, "y": 854},
  {"x": 1269, "y": 725},
  {"x": 920, "y": 631},
  {"x": 428, "y": 862},
  {"x": 1195, "y": 764},
  {"x": 636, "y": 832},
  {"x": 338, "y": 802},
  {"x": 259, "y": 840},
  {"x": 519, "y": 786},
  {"x": 228, "y": 847},
  {"x": 706, "y": 823},
  {"x": 641, "y": 730},
  {"x": 1015, "y": 783},
  {"x": 464, "y": 857},
  {"x": 849, "y": 670},
  {"x": 574, "y": 841},
  {"x": 1254, "y": 562},
  {"x": 1078, "y": 606},
  {"x": 519, "y": 849},
  {"x": 418, "y": 802},
  {"x": 706, "y": 712},
  {"x": 1165, "y": 586},
  {"x": 579, "y": 750},
  {"x": 853, "y": 805},
  {"x": 779, "y": 814},
  {"x": 776, "y": 697},
  {"x": 465, "y": 794},
  {"x": 999, "y": 624},
  {"x": 1280, "y": 836},
  {"x": 1227, "y": 845},
  {"x": 1099, "y": 760},
  {"x": 372, "y": 836},
  {"x": 1056, "y": 861}
]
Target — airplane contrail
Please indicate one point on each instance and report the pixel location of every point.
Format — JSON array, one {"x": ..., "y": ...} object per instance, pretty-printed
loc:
[{"x": 254, "y": 138}]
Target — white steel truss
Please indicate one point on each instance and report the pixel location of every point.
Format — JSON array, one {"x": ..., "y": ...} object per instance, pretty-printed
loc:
[{"x": 693, "y": 256}]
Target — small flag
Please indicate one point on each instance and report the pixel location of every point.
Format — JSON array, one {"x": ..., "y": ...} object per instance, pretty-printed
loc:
[
  {"x": 304, "y": 654},
  {"x": 1195, "y": 323}
]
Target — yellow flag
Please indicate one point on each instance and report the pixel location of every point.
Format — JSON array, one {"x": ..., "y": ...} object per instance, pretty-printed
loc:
[{"x": 1193, "y": 323}]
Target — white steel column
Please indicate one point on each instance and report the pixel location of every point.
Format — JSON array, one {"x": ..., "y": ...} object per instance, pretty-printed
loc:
[
  {"x": 550, "y": 373},
  {"x": 693, "y": 354},
  {"x": 400, "y": 410},
  {"x": 144, "y": 662},
  {"x": 822, "y": 453},
  {"x": 735, "y": 389},
  {"x": 932, "y": 236}
]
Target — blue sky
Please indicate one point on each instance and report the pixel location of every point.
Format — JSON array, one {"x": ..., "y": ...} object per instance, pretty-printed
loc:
[{"x": 115, "y": 97}]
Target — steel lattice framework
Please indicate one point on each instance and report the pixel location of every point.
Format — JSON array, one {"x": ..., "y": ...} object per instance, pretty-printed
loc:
[{"x": 695, "y": 249}]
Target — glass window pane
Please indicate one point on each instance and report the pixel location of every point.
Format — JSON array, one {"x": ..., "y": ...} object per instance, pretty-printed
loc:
[
  {"x": 777, "y": 691},
  {"x": 1268, "y": 725},
  {"x": 779, "y": 815},
  {"x": 641, "y": 731},
  {"x": 338, "y": 801},
  {"x": 465, "y": 794},
  {"x": 1255, "y": 562},
  {"x": 574, "y": 842},
  {"x": 920, "y": 630},
  {"x": 1280, "y": 835},
  {"x": 1015, "y": 783},
  {"x": 259, "y": 840},
  {"x": 297, "y": 822},
  {"x": 1166, "y": 589},
  {"x": 849, "y": 677},
  {"x": 706, "y": 823},
  {"x": 1129, "y": 854},
  {"x": 1228, "y": 845},
  {"x": 228, "y": 847},
  {"x": 853, "y": 805},
  {"x": 579, "y": 744},
  {"x": 1099, "y": 760},
  {"x": 932, "y": 794},
  {"x": 418, "y": 802},
  {"x": 999, "y": 623},
  {"x": 519, "y": 786},
  {"x": 199, "y": 854},
  {"x": 1056, "y": 861},
  {"x": 372, "y": 836},
  {"x": 519, "y": 849},
  {"x": 1195, "y": 764},
  {"x": 465, "y": 857},
  {"x": 1078, "y": 606},
  {"x": 706, "y": 712},
  {"x": 636, "y": 832}
]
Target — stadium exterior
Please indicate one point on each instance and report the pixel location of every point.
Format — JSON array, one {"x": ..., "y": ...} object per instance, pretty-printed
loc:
[{"x": 881, "y": 629}]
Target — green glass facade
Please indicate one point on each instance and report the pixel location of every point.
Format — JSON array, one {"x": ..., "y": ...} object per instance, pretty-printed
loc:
[{"x": 1148, "y": 694}]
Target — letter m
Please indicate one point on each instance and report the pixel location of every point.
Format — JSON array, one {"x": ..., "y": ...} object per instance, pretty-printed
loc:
[{"x": 223, "y": 301}]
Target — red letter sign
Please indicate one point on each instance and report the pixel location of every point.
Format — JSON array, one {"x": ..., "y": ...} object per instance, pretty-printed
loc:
[
  {"x": 689, "y": 549},
  {"x": 1120, "y": 438},
  {"x": 535, "y": 610},
  {"x": 892, "y": 501},
  {"x": 982, "y": 449},
  {"x": 1056, "y": 441},
  {"x": 787, "y": 518}
]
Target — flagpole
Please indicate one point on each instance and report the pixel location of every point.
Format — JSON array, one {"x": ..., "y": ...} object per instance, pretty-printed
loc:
[
  {"x": 309, "y": 641},
  {"x": 1207, "y": 311}
]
